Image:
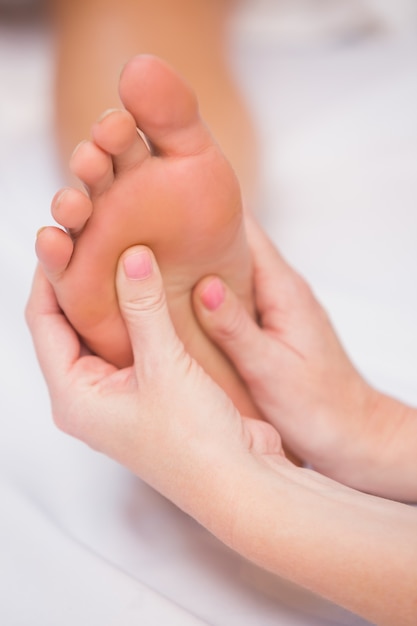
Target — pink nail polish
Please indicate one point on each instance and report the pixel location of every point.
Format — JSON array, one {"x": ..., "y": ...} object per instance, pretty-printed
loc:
[
  {"x": 213, "y": 295},
  {"x": 138, "y": 265}
]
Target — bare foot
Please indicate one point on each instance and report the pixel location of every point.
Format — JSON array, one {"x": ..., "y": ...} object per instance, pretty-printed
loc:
[
  {"x": 173, "y": 191},
  {"x": 193, "y": 36}
]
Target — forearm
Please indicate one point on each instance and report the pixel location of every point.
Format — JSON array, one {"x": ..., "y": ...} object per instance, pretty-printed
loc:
[
  {"x": 169, "y": 423},
  {"x": 356, "y": 550}
]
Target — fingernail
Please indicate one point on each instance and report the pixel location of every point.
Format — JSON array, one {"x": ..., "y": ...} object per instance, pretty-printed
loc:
[
  {"x": 213, "y": 295},
  {"x": 138, "y": 265},
  {"x": 38, "y": 232}
]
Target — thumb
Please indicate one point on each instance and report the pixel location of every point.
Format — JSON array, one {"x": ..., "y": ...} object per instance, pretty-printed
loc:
[
  {"x": 143, "y": 305},
  {"x": 226, "y": 321}
]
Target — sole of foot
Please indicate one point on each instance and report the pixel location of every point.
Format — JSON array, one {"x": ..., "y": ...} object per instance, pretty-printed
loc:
[{"x": 154, "y": 176}]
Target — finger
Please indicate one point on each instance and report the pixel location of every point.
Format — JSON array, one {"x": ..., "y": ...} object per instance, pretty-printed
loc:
[
  {"x": 274, "y": 279},
  {"x": 56, "y": 343},
  {"x": 263, "y": 249},
  {"x": 143, "y": 305},
  {"x": 226, "y": 321}
]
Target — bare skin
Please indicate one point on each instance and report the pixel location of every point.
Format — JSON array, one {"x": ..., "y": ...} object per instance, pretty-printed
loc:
[
  {"x": 304, "y": 382},
  {"x": 167, "y": 421},
  {"x": 95, "y": 38},
  {"x": 180, "y": 197}
]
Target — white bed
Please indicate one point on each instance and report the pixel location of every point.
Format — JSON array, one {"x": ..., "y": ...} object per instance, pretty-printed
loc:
[{"x": 81, "y": 540}]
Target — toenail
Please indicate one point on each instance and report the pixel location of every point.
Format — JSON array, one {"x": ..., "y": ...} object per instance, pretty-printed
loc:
[
  {"x": 106, "y": 113},
  {"x": 138, "y": 265},
  {"x": 82, "y": 143},
  {"x": 38, "y": 232},
  {"x": 213, "y": 295},
  {"x": 56, "y": 200}
]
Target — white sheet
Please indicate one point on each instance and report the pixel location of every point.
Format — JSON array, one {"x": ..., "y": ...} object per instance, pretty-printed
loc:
[{"x": 81, "y": 540}]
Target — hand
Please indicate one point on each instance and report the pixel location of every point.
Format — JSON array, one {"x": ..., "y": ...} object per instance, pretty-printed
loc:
[
  {"x": 163, "y": 418},
  {"x": 169, "y": 423},
  {"x": 301, "y": 378}
]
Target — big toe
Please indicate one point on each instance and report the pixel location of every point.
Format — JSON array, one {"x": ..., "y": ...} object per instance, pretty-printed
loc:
[{"x": 164, "y": 107}]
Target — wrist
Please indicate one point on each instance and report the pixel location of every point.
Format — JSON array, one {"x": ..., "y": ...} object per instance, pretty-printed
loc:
[
  {"x": 293, "y": 519},
  {"x": 340, "y": 429},
  {"x": 379, "y": 455}
]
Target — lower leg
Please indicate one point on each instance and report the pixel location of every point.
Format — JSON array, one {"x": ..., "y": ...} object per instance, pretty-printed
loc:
[{"x": 95, "y": 38}]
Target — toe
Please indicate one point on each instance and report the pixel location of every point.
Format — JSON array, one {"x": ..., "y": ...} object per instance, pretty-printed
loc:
[
  {"x": 116, "y": 133},
  {"x": 93, "y": 167},
  {"x": 71, "y": 208},
  {"x": 54, "y": 249},
  {"x": 164, "y": 107}
]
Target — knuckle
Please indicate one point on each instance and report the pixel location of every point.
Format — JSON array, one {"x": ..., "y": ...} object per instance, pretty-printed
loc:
[
  {"x": 305, "y": 290},
  {"x": 298, "y": 290},
  {"x": 69, "y": 411},
  {"x": 299, "y": 285},
  {"x": 148, "y": 303},
  {"x": 63, "y": 420}
]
